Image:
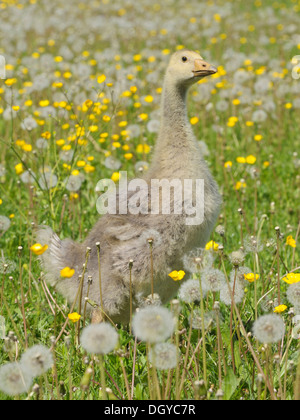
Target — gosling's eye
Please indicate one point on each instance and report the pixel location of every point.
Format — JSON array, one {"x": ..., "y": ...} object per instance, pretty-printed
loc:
[{"x": 184, "y": 59}]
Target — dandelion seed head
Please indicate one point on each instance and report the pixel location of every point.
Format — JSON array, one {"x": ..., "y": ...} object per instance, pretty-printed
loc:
[
  {"x": 141, "y": 167},
  {"x": 269, "y": 328},
  {"x": 27, "y": 177},
  {"x": 151, "y": 235},
  {"x": 99, "y": 338},
  {"x": 196, "y": 320},
  {"x": 7, "y": 266},
  {"x": 66, "y": 155},
  {"x": 252, "y": 244},
  {"x": 225, "y": 295},
  {"x": 237, "y": 257},
  {"x": 4, "y": 223},
  {"x": 149, "y": 300},
  {"x": 198, "y": 259},
  {"x": 293, "y": 294},
  {"x": 212, "y": 279},
  {"x": 13, "y": 379},
  {"x": 48, "y": 180},
  {"x": 153, "y": 324},
  {"x": 73, "y": 183},
  {"x": 41, "y": 144},
  {"x": 189, "y": 291},
  {"x": 164, "y": 356},
  {"x": 112, "y": 163},
  {"x": 220, "y": 230},
  {"x": 37, "y": 360}
]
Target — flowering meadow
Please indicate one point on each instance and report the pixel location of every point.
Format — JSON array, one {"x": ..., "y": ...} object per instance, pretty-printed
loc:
[{"x": 79, "y": 102}]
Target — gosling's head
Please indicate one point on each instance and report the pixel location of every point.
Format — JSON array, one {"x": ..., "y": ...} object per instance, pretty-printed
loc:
[{"x": 188, "y": 67}]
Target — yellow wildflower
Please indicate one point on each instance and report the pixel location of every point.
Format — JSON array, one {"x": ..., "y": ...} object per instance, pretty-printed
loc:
[
  {"x": 101, "y": 78},
  {"x": 148, "y": 98},
  {"x": 89, "y": 168},
  {"x": 10, "y": 82},
  {"x": 115, "y": 176},
  {"x": 44, "y": 103},
  {"x": 38, "y": 249},
  {"x": 258, "y": 137},
  {"x": 240, "y": 185},
  {"x": 292, "y": 278},
  {"x": 177, "y": 275},
  {"x": 194, "y": 120},
  {"x": 19, "y": 168},
  {"x": 74, "y": 317},
  {"x": 143, "y": 148},
  {"x": 251, "y": 159},
  {"x": 212, "y": 245},
  {"x": 250, "y": 277},
  {"x": 228, "y": 164},
  {"x": 67, "y": 272},
  {"x": 279, "y": 309},
  {"x": 291, "y": 241}
]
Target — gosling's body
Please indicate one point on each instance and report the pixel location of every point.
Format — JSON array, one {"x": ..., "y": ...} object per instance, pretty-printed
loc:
[{"x": 125, "y": 237}]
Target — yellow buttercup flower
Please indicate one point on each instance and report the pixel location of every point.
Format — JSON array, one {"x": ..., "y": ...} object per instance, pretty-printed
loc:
[
  {"x": 101, "y": 78},
  {"x": 292, "y": 278},
  {"x": 143, "y": 148},
  {"x": 74, "y": 317},
  {"x": 291, "y": 241},
  {"x": 251, "y": 159},
  {"x": 148, "y": 99},
  {"x": 258, "y": 137},
  {"x": 115, "y": 176},
  {"x": 67, "y": 272},
  {"x": 177, "y": 275},
  {"x": 212, "y": 245},
  {"x": 250, "y": 277},
  {"x": 38, "y": 249},
  {"x": 194, "y": 120},
  {"x": 279, "y": 309},
  {"x": 240, "y": 185},
  {"x": 19, "y": 168},
  {"x": 10, "y": 82},
  {"x": 228, "y": 164}
]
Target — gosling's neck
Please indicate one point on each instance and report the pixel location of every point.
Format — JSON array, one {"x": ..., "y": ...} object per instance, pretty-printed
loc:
[
  {"x": 174, "y": 110},
  {"x": 176, "y": 142}
]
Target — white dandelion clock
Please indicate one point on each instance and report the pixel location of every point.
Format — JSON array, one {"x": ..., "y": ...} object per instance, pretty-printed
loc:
[
  {"x": 164, "y": 356},
  {"x": 212, "y": 279},
  {"x": 14, "y": 380},
  {"x": 189, "y": 291},
  {"x": 226, "y": 296},
  {"x": 293, "y": 294},
  {"x": 37, "y": 360},
  {"x": 99, "y": 338},
  {"x": 4, "y": 223},
  {"x": 153, "y": 324},
  {"x": 269, "y": 328}
]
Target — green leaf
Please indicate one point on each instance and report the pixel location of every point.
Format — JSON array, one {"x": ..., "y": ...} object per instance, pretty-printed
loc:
[{"x": 230, "y": 384}]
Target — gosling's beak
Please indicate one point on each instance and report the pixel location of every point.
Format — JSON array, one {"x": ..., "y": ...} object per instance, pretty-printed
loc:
[{"x": 202, "y": 68}]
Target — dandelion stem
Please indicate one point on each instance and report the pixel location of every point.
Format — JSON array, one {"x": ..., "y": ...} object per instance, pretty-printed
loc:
[
  {"x": 100, "y": 282},
  {"x": 203, "y": 331}
]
